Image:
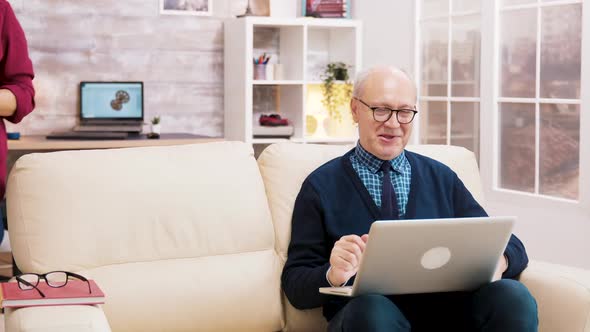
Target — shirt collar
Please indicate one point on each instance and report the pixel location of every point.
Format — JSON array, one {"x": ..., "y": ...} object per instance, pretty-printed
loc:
[{"x": 373, "y": 163}]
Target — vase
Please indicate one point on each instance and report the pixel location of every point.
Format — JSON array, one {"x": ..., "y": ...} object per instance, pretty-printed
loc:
[
  {"x": 156, "y": 128},
  {"x": 311, "y": 125},
  {"x": 344, "y": 126}
]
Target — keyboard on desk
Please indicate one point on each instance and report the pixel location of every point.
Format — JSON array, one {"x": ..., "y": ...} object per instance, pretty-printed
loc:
[
  {"x": 88, "y": 135},
  {"x": 109, "y": 128}
]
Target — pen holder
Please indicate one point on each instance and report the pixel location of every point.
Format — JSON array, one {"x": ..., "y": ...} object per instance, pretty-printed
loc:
[{"x": 260, "y": 72}]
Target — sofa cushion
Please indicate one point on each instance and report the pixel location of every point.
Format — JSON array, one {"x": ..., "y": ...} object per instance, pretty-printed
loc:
[
  {"x": 460, "y": 160},
  {"x": 73, "y": 318},
  {"x": 236, "y": 292},
  {"x": 284, "y": 167},
  {"x": 155, "y": 226},
  {"x": 562, "y": 294}
]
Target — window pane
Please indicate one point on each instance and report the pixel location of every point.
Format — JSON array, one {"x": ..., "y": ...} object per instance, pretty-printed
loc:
[
  {"x": 561, "y": 43},
  {"x": 466, "y": 5},
  {"x": 435, "y": 7},
  {"x": 433, "y": 122},
  {"x": 517, "y": 146},
  {"x": 518, "y": 53},
  {"x": 516, "y": 2},
  {"x": 559, "y": 161},
  {"x": 434, "y": 57},
  {"x": 465, "y": 126},
  {"x": 465, "y": 54}
]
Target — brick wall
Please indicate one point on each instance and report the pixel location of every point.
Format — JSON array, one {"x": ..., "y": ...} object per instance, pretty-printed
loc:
[{"x": 179, "y": 58}]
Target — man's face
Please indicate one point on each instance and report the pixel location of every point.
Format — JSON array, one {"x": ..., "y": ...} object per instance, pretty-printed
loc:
[{"x": 385, "y": 140}]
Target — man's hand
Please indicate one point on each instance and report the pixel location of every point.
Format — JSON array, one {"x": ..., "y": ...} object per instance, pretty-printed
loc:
[
  {"x": 346, "y": 258},
  {"x": 502, "y": 266}
]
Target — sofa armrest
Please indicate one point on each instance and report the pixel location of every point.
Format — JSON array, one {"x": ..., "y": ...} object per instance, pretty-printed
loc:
[
  {"x": 74, "y": 318},
  {"x": 562, "y": 294}
]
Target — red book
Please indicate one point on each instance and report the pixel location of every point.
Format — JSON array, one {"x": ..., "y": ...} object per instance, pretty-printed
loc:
[{"x": 75, "y": 292}]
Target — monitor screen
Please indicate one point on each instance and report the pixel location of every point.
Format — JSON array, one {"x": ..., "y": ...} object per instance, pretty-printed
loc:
[{"x": 111, "y": 100}]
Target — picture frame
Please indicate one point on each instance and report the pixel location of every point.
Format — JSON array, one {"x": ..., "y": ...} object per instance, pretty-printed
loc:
[{"x": 186, "y": 7}]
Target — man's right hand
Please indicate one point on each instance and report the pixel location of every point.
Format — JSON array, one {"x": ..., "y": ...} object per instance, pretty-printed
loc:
[{"x": 345, "y": 258}]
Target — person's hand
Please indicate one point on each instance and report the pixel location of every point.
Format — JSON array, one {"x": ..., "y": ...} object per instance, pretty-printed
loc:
[
  {"x": 345, "y": 258},
  {"x": 502, "y": 266}
]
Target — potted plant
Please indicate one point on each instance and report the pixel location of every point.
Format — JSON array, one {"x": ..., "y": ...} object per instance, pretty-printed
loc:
[
  {"x": 336, "y": 89},
  {"x": 156, "y": 125}
]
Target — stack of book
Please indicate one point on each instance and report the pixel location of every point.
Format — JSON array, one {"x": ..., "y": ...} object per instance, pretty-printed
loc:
[
  {"x": 327, "y": 8},
  {"x": 75, "y": 292}
]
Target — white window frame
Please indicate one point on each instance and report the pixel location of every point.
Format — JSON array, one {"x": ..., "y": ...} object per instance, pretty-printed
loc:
[
  {"x": 554, "y": 230},
  {"x": 489, "y": 98},
  {"x": 490, "y": 137},
  {"x": 448, "y": 99}
]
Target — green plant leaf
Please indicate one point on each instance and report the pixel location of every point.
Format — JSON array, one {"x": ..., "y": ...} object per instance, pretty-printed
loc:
[{"x": 336, "y": 94}]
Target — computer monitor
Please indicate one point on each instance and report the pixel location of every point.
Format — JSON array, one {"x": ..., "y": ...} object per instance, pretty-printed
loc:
[{"x": 111, "y": 102}]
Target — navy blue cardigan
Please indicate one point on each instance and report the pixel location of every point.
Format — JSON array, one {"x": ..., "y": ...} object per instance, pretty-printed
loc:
[{"x": 333, "y": 202}]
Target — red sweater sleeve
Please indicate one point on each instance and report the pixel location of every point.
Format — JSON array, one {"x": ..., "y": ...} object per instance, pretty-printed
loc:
[{"x": 16, "y": 68}]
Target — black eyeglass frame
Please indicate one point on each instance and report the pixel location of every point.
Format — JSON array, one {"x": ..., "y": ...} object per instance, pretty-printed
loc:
[
  {"x": 374, "y": 108},
  {"x": 20, "y": 280}
]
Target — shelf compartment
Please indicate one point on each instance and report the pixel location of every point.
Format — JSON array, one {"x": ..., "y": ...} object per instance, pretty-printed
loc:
[
  {"x": 285, "y": 100},
  {"x": 319, "y": 126},
  {"x": 326, "y": 44},
  {"x": 284, "y": 45}
]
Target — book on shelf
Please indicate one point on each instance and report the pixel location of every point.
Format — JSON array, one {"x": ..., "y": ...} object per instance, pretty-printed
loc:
[
  {"x": 326, "y": 8},
  {"x": 75, "y": 292}
]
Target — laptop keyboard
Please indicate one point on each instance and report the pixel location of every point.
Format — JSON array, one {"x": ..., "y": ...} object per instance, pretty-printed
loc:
[
  {"x": 87, "y": 135},
  {"x": 122, "y": 128}
]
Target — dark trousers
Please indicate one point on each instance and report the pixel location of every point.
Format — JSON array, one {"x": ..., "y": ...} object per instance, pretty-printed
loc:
[{"x": 505, "y": 305}]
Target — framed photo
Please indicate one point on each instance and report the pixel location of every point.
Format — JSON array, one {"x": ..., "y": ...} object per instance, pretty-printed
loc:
[{"x": 186, "y": 7}]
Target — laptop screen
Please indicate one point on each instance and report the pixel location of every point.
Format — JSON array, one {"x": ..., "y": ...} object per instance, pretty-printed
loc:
[{"x": 111, "y": 100}]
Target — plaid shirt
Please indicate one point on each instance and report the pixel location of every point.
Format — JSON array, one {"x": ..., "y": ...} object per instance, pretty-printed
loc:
[{"x": 367, "y": 167}]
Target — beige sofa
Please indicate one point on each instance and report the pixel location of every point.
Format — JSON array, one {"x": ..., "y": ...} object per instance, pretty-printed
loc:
[{"x": 193, "y": 238}]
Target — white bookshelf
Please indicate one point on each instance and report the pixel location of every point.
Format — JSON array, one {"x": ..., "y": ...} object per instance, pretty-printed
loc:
[
  {"x": 302, "y": 46},
  {"x": 278, "y": 82}
]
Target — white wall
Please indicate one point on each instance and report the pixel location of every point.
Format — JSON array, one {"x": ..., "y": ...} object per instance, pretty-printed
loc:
[
  {"x": 388, "y": 32},
  {"x": 178, "y": 57},
  {"x": 550, "y": 234}
]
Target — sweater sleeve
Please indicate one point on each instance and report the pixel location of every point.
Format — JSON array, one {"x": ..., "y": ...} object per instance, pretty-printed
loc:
[
  {"x": 308, "y": 255},
  {"x": 16, "y": 73},
  {"x": 466, "y": 206},
  {"x": 517, "y": 258}
]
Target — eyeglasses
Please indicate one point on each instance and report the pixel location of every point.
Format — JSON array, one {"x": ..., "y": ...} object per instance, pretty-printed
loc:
[
  {"x": 53, "y": 279},
  {"x": 383, "y": 114}
]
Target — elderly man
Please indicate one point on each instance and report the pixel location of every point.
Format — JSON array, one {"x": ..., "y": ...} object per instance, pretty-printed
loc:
[{"x": 378, "y": 179}]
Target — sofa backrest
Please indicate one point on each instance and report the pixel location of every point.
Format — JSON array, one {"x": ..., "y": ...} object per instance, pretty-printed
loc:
[
  {"x": 284, "y": 167},
  {"x": 178, "y": 237}
]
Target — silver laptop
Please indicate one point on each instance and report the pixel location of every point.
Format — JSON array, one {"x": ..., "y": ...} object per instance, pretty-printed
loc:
[
  {"x": 429, "y": 255},
  {"x": 111, "y": 107}
]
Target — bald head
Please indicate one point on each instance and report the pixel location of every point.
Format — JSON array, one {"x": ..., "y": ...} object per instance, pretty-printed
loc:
[
  {"x": 374, "y": 75},
  {"x": 382, "y": 89}
]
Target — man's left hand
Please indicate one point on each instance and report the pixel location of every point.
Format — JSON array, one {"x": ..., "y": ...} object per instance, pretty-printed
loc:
[{"x": 502, "y": 266}]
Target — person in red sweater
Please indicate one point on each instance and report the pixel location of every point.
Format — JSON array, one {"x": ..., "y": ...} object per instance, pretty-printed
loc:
[{"x": 16, "y": 81}]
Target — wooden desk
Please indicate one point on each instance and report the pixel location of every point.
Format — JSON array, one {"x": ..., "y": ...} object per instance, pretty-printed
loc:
[{"x": 40, "y": 143}]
